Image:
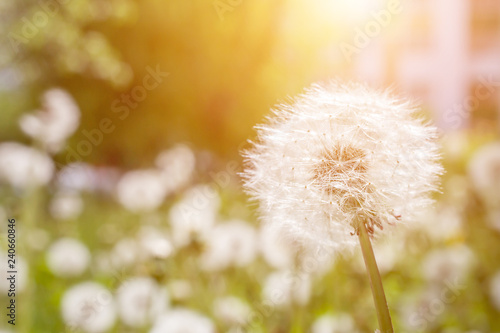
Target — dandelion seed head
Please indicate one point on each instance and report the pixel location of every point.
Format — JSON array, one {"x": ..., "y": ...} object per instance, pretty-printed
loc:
[
  {"x": 24, "y": 167},
  {"x": 88, "y": 306},
  {"x": 340, "y": 154},
  {"x": 233, "y": 243},
  {"x": 484, "y": 172},
  {"x": 231, "y": 310},
  {"x": 68, "y": 257},
  {"x": 141, "y": 190},
  {"x": 450, "y": 264},
  {"x": 66, "y": 205},
  {"x": 339, "y": 323},
  {"x": 58, "y": 120},
  {"x": 140, "y": 301},
  {"x": 180, "y": 320},
  {"x": 284, "y": 288}
]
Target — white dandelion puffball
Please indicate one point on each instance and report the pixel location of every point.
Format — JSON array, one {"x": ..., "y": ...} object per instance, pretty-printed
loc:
[
  {"x": 287, "y": 287},
  {"x": 232, "y": 243},
  {"x": 23, "y": 167},
  {"x": 484, "y": 171},
  {"x": 339, "y": 323},
  {"x": 194, "y": 216},
  {"x": 177, "y": 166},
  {"x": 276, "y": 250},
  {"x": 68, "y": 257},
  {"x": 232, "y": 310},
  {"x": 57, "y": 122},
  {"x": 88, "y": 306},
  {"x": 125, "y": 253},
  {"x": 141, "y": 190},
  {"x": 181, "y": 320},
  {"x": 140, "y": 301},
  {"x": 338, "y": 155},
  {"x": 154, "y": 242},
  {"x": 449, "y": 264},
  {"x": 78, "y": 177},
  {"x": 66, "y": 205}
]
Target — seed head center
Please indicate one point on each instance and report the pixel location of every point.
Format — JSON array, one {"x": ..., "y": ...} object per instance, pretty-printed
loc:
[{"x": 341, "y": 169}]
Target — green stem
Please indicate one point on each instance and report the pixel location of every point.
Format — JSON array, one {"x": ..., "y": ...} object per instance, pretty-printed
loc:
[{"x": 383, "y": 315}]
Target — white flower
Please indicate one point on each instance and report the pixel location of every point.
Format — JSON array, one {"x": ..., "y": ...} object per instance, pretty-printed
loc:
[
  {"x": 442, "y": 222},
  {"x": 24, "y": 167},
  {"x": 232, "y": 243},
  {"x": 495, "y": 290},
  {"x": 154, "y": 242},
  {"x": 82, "y": 177},
  {"x": 339, "y": 323},
  {"x": 140, "y": 301},
  {"x": 58, "y": 121},
  {"x": 449, "y": 264},
  {"x": 66, "y": 205},
  {"x": 232, "y": 310},
  {"x": 181, "y": 320},
  {"x": 286, "y": 287},
  {"x": 177, "y": 166},
  {"x": 194, "y": 215},
  {"x": 484, "y": 171},
  {"x": 141, "y": 190},
  {"x": 277, "y": 250},
  {"x": 88, "y": 306},
  {"x": 340, "y": 154},
  {"x": 67, "y": 257},
  {"x": 125, "y": 253},
  {"x": 77, "y": 177}
]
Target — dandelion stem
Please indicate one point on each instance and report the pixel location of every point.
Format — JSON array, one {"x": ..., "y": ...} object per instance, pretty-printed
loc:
[{"x": 383, "y": 315}]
